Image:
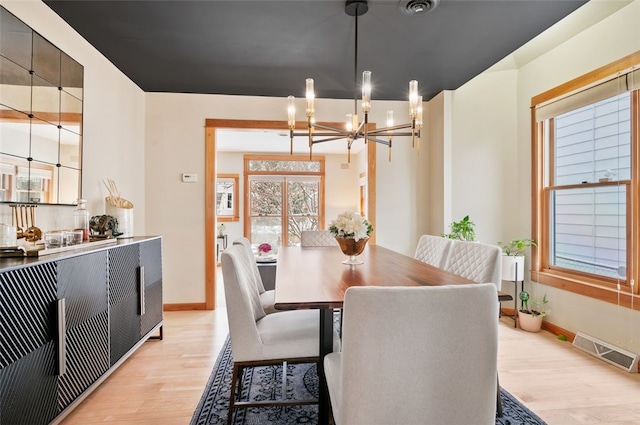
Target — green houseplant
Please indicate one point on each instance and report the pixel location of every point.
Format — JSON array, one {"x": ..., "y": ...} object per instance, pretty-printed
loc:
[
  {"x": 513, "y": 258},
  {"x": 515, "y": 247},
  {"x": 463, "y": 230},
  {"x": 531, "y": 312}
]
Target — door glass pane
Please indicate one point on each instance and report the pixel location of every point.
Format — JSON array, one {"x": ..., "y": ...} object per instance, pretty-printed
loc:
[
  {"x": 265, "y": 211},
  {"x": 277, "y": 165},
  {"x": 265, "y": 229},
  {"x": 266, "y": 198},
  {"x": 303, "y": 200}
]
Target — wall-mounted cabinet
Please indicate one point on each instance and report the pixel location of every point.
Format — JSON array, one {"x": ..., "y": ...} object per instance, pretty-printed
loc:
[
  {"x": 62, "y": 321},
  {"x": 41, "y": 95}
]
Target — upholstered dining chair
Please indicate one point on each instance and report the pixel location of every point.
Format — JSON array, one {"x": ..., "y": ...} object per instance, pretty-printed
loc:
[
  {"x": 476, "y": 261},
  {"x": 409, "y": 358},
  {"x": 267, "y": 298},
  {"x": 317, "y": 238},
  {"x": 433, "y": 250},
  {"x": 320, "y": 238},
  {"x": 481, "y": 263},
  {"x": 259, "y": 339}
]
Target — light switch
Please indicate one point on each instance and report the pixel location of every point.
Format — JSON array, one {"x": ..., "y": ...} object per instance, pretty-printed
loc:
[{"x": 189, "y": 178}]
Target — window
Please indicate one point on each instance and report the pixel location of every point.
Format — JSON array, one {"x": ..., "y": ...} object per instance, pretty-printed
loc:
[
  {"x": 227, "y": 197},
  {"x": 285, "y": 197},
  {"x": 586, "y": 182}
]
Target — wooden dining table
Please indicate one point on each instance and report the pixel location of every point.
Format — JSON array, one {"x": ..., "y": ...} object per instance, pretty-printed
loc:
[{"x": 315, "y": 278}]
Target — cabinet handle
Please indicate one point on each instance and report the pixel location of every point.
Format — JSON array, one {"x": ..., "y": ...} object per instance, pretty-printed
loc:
[
  {"x": 141, "y": 290},
  {"x": 62, "y": 337}
]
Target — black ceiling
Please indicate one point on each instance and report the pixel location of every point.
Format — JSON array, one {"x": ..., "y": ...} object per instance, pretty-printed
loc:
[{"x": 269, "y": 48}]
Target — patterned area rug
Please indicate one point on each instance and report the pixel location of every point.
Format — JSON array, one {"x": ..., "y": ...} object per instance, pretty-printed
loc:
[{"x": 264, "y": 383}]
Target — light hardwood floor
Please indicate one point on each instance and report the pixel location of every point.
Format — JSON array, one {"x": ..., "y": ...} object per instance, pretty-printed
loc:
[{"x": 163, "y": 381}]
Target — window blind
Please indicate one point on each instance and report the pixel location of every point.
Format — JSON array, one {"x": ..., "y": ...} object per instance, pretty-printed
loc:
[{"x": 628, "y": 81}]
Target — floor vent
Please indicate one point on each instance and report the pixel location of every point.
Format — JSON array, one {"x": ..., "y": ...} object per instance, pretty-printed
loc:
[{"x": 609, "y": 353}]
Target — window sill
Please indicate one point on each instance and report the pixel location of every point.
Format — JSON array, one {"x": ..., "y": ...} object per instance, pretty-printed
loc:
[{"x": 588, "y": 289}]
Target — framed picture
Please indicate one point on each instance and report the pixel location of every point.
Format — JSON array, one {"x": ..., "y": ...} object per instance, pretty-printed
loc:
[{"x": 227, "y": 197}]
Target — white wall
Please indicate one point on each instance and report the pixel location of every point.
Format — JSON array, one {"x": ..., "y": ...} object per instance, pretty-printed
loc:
[
  {"x": 483, "y": 156},
  {"x": 114, "y": 110},
  {"x": 398, "y": 184},
  {"x": 342, "y": 189},
  {"x": 436, "y": 207}
]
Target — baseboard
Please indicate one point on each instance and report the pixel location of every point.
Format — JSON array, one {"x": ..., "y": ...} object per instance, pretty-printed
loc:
[
  {"x": 184, "y": 306},
  {"x": 547, "y": 326},
  {"x": 557, "y": 330}
]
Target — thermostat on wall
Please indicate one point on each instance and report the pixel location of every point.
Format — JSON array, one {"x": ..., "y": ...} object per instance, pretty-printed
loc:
[{"x": 189, "y": 178}]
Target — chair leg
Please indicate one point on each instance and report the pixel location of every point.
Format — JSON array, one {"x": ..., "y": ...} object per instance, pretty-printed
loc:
[
  {"x": 236, "y": 376},
  {"x": 284, "y": 380},
  {"x": 236, "y": 386},
  {"x": 498, "y": 399}
]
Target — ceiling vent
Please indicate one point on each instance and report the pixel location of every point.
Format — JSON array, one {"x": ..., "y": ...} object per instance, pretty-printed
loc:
[{"x": 417, "y": 7}]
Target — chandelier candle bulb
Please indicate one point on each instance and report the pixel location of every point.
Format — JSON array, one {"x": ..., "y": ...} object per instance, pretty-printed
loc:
[
  {"x": 366, "y": 91},
  {"x": 413, "y": 99},
  {"x": 419, "y": 124},
  {"x": 310, "y": 97},
  {"x": 390, "y": 121},
  {"x": 349, "y": 122},
  {"x": 291, "y": 111}
]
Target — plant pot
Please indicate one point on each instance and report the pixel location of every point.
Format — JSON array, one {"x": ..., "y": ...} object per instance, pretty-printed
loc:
[
  {"x": 513, "y": 267},
  {"x": 529, "y": 322}
]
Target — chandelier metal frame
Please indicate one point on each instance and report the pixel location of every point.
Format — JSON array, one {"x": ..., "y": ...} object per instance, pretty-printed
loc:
[{"x": 354, "y": 129}]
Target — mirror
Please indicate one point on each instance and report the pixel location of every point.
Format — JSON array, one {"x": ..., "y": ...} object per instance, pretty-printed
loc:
[
  {"x": 41, "y": 91},
  {"x": 227, "y": 197}
]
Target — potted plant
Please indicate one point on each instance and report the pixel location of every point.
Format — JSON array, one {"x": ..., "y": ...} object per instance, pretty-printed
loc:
[
  {"x": 463, "y": 230},
  {"x": 513, "y": 258},
  {"x": 531, "y": 312}
]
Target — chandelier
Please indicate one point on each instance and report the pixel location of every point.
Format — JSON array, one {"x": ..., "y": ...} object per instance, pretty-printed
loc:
[{"x": 355, "y": 128}]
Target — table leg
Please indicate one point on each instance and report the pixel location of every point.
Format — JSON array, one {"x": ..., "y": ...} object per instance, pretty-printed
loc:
[{"x": 326, "y": 347}]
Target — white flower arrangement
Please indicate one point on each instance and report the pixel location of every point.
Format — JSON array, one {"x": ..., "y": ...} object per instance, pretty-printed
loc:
[{"x": 350, "y": 225}]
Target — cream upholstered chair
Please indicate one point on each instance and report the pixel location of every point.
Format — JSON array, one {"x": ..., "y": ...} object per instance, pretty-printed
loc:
[
  {"x": 433, "y": 250},
  {"x": 262, "y": 339},
  {"x": 267, "y": 298},
  {"x": 317, "y": 238},
  {"x": 479, "y": 262},
  {"x": 320, "y": 238},
  {"x": 409, "y": 358}
]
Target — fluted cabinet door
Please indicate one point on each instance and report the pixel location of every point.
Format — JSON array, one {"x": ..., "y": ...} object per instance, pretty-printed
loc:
[
  {"x": 28, "y": 362},
  {"x": 124, "y": 300},
  {"x": 151, "y": 262},
  {"x": 82, "y": 283}
]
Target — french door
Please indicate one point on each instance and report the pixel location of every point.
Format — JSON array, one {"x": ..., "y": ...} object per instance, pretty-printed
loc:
[{"x": 281, "y": 207}]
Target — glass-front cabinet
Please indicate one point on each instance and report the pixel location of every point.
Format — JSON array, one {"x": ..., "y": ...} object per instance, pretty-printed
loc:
[{"x": 41, "y": 90}]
